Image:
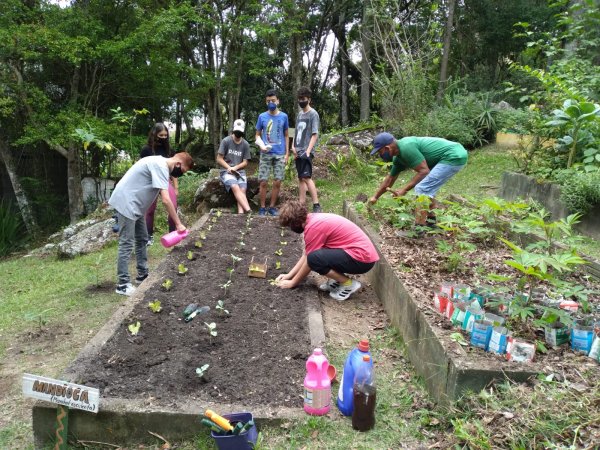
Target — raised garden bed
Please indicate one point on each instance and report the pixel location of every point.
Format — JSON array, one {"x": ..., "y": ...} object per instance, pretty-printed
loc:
[
  {"x": 405, "y": 279},
  {"x": 256, "y": 360}
]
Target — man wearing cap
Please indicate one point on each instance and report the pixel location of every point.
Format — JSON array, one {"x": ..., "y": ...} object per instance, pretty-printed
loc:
[
  {"x": 233, "y": 156},
  {"x": 435, "y": 161}
]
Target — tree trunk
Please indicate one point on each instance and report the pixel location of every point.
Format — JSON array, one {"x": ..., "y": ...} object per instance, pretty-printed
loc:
[
  {"x": 365, "y": 66},
  {"x": 20, "y": 194},
  {"x": 296, "y": 61},
  {"x": 343, "y": 61},
  {"x": 74, "y": 184},
  {"x": 446, "y": 51}
]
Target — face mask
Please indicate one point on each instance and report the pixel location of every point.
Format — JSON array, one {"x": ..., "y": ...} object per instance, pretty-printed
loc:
[
  {"x": 238, "y": 134},
  {"x": 272, "y": 106},
  {"x": 387, "y": 156},
  {"x": 177, "y": 171},
  {"x": 302, "y": 104},
  {"x": 297, "y": 229}
]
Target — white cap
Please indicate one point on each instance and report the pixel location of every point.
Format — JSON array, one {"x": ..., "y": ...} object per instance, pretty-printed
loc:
[{"x": 239, "y": 125}]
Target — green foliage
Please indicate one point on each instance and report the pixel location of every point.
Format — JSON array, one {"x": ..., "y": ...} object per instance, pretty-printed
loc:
[
  {"x": 155, "y": 306},
  {"x": 11, "y": 229},
  {"x": 134, "y": 328}
]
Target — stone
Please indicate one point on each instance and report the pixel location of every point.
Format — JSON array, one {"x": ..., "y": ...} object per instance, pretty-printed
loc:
[
  {"x": 212, "y": 194},
  {"x": 88, "y": 239}
]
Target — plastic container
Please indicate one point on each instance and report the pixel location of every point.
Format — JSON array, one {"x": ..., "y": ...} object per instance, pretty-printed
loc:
[
  {"x": 243, "y": 441},
  {"x": 345, "y": 400},
  {"x": 173, "y": 238},
  {"x": 317, "y": 385},
  {"x": 364, "y": 396}
]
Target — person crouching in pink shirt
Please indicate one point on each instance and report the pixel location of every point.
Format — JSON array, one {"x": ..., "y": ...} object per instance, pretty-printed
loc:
[{"x": 334, "y": 247}]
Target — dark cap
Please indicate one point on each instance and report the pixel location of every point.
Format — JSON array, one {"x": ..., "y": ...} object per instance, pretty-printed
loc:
[{"x": 381, "y": 140}]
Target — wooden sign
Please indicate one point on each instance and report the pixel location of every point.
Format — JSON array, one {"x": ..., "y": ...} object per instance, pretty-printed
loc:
[{"x": 62, "y": 393}]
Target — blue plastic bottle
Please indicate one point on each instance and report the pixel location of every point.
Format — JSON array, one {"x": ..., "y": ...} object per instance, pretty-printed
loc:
[{"x": 345, "y": 400}]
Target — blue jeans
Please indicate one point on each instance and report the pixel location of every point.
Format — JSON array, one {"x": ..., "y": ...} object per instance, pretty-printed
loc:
[
  {"x": 132, "y": 233},
  {"x": 437, "y": 177}
]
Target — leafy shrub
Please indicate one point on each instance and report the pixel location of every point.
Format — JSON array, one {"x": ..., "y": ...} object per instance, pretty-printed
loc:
[
  {"x": 579, "y": 190},
  {"x": 10, "y": 228},
  {"x": 514, "y": 120}
]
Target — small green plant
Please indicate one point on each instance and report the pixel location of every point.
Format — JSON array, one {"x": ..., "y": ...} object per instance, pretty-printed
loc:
[
  {"x": 277, "y": 265},
  {"x": 212, "y": 329},
  {"x": 279, "y": 252},
  {"x": 202, "y": 235},
  {"x": 167, "y": 284},
  {"x": 235, "y": 259},
  {"x": 208, "y": 228},
  {"x": 190, "y": 255},
  {"x": 221, "y": 307},
  {"x": 282, "y": 231},
  {"x": 97, "y": 266},
  {"x": 181, "y": 269},
  {"x": 134, "y": 328},
  {"x": 458, "y": 338},
  {"x": 38, "y": 317},
  {"x": 198, "y": 244},
  {"x": 201, "y": 371},
  {"x": 226, "y": 285},
  {"x": 273, "y": 282},
  {"x": 155, "y": 306},
  {"x": 283, "y": 242}
]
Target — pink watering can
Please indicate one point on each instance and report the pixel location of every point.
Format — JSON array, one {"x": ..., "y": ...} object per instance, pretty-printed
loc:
[{"x": 173, "y": 238}]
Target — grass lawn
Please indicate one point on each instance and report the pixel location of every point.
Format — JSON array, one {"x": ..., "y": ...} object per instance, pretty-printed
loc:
[{"x": 48, "y": 313}]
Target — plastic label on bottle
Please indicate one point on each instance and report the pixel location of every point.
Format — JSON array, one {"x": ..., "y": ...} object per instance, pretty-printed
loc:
[{"x": 317, "y": 398}]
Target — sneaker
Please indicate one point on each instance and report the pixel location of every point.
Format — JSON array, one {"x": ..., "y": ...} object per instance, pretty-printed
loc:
[
  {"x": 273, "y": 211},
  {"x": 141, "y": 278},
  {"x": 262, "y": 211},
  {"x": 125, "y": 289},
  {"x": 330, "y": 285},
  {"x": 150, "y": 241},
  {"x": 317, "y": 208},
  {"x": 344, "y": 292}
]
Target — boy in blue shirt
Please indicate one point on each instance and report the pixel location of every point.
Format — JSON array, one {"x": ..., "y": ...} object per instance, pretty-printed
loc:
[{"x": 272, "y": 141}]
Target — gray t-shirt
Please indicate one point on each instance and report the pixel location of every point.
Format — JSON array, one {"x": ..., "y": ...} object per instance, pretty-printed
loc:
[
  {"x": 140, "y": 186},
  {"x": 233, "y": 153},
  {"x": 307, "y": 124}
]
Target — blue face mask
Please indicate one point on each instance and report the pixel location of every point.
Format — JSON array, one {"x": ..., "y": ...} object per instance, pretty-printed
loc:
[
  {"x": 387, "y": 156},
  {"x": 272, "y": 106}
]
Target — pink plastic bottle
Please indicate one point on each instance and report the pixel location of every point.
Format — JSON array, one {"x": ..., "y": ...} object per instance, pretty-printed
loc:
[
  {"x": 172, "y": 238},
  {"x": 317, "y": 386}
]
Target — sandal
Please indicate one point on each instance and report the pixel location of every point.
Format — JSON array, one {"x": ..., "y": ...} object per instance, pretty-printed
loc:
[{"x": 344, "y": 292}]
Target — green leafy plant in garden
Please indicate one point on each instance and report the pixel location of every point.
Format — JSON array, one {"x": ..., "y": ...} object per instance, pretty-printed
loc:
[
  {"x": 201, "y": 371},
  {"x": 579, "y": 190},
  {"x": 181, "y": 269},
  {"x": 198, "y": 244},
  {"x": 221, "y": 307},
  {"x": 10, "y": 229},
  {"x": 155, "y": 306},
  {"x": 212, "y": 329},
  {"x": 167, "y": 284},
  {"x": 134, "y": 328},
  {"x": 39, "y": 317}
]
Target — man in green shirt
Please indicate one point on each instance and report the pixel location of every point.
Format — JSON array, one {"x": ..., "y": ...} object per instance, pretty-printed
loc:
[{"x": 435, "y": 161}]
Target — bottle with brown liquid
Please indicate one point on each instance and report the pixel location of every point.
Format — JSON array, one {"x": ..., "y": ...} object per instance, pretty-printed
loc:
[{"x": 365, "y": 395}]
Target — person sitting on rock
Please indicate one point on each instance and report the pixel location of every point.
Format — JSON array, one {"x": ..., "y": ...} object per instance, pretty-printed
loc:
[
  {"x": 334, "y": 247},
  {"x": 233, "y": 156}
]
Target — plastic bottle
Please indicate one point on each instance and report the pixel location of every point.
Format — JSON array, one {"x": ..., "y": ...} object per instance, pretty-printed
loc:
[
  {"x": 172, "y": 238},
  {"x": 317, "y": 387},
  {"x": 345, "y": 401},
  {"x": 365, "y": 395}
]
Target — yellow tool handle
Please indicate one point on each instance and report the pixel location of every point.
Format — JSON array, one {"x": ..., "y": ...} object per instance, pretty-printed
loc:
[{"x": 221, "y": 421}]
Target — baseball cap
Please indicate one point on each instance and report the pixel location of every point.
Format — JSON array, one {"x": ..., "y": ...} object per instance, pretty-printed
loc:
[
  {"x": 381, "y": 140},
  {"x": 239, "y": 125}
]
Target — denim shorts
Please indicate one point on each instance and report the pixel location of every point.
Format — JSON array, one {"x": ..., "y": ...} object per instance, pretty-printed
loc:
[
  {"x": 436, "y": 178},
  {"x": 268, "y": 161},
  {"x": 231, "y": 180}
]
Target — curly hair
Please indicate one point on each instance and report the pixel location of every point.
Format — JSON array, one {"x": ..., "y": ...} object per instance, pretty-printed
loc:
[{"x": 293, "y": 214}]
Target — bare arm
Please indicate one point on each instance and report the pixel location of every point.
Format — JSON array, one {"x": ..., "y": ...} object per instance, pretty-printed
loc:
[
  {"x": 387, "y": 183},
  {"x": 422, "y": 170},
  {"x": 296, "y": 275},
  {"x": 166, "y": 199},
  {"x": 311, "y": 144}
]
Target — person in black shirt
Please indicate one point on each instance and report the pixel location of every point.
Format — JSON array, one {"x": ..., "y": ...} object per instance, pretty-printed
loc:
[{"x": 158, "y": 145}]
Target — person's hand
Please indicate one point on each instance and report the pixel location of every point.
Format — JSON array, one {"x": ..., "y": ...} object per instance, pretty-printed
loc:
[
  {"x": 286, "y": 159},
  {"x": 294, "y": 152},
  {"x": 181, "y": 228},
  {"x": 263, "y": 149},
  {"x": 372, "y": 200},
  {"x": 285, "y": 284},
  {"x": 281, "y": 277}
]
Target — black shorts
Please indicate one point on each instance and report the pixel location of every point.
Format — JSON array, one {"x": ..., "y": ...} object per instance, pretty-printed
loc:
[
  {"x": 304, "y": 166},
  {"x": 326, "y": 259}
]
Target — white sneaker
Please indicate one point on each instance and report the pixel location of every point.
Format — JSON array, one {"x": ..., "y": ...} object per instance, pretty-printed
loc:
[
  {"x": 329, "y": 285},
  {"x": 343, "y": 292},
  {"x": 125, "y": 289}
]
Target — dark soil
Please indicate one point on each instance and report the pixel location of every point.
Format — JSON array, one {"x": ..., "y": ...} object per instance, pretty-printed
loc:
[{"x": 263, "y": 342}]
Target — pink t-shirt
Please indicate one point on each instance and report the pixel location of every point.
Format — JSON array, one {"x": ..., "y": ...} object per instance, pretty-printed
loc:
[{"x": 323, "y": 230}]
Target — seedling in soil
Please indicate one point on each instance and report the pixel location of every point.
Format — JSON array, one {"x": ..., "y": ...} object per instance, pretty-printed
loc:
[
  {"x": 181, "y": 269},
  {"x": 212, "y": 329},
  {"x": 219, "y": 213},
  {"x": 283, "y": 242},
  {"x": 155, "y": 306},
  {"x": 208, "y": 228},
  {"x": 134, "y": 329},
  {"x": 198, "y": 244},
  {"x": 279, "y": 252},
  {"x": 38, "y": 317},
  {"x": 273, "y": 282},
  {"x": 458, "y": 338},
  {"x": 277, "y": 265},
  {"x": 201, "y": 371},
  {"x": 221, "y": 307},
  {"x": 235, "y": 259},
  {"x": 203, "y": 235},
  {"x": 213, "y": 220},
  {"x": 226, "y": 286},
  {"x": 167, "y": 284},
  {"x": 191, "y": 256},
  {"x": 281, "y": 232}
]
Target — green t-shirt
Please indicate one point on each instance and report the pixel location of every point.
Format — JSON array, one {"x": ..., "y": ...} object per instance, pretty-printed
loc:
[{"x": 413, "y": 150}]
